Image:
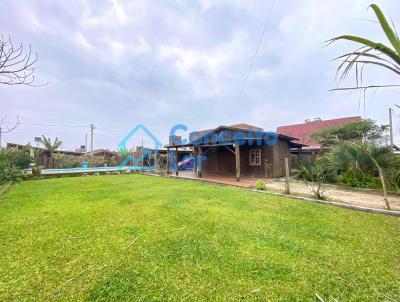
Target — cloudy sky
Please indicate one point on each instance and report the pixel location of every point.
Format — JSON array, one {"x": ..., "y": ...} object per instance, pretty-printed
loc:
[{"x": 118, "y": 63}]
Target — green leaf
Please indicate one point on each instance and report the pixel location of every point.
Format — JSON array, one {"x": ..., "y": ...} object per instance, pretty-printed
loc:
[
  {"x": 378, "y": 46},
  {"x": 390, "y": 34}
]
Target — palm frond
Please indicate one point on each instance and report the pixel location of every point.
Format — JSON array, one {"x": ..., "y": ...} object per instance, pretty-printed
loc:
[
  {"x": 370, "y": 53},
  {"x": 377, "y": 46},
  {"x": 363, "y": 87},
  {"x": 350, "y": 65},
  {"x": 49, "y": 145},
  {"x": 390, "y": 34}
]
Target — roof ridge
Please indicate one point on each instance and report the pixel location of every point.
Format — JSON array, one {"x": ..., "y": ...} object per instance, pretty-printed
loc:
[{"x": 322, "y": 121}]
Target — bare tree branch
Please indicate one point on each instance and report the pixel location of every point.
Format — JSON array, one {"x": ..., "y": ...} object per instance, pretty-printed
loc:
[
  {"x": 17, "y": 67},
  {"x": 3, "y": 121}
]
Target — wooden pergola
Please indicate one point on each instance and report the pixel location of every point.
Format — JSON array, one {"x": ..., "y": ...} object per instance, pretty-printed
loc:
[{"x": 198, "y": 150}]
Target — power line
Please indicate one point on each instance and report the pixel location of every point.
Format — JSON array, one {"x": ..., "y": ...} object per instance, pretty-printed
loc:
[
  {"x": 54, "y": 125},
  {"x": 119, "y": 134},
  {"x": 110, "y": 130},
  {"x": 266, "y": 25}
]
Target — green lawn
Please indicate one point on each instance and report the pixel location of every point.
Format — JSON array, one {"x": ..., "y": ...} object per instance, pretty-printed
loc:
[
  {"x": 143, "y": 238},
  {"x": 3, "y": 187}
]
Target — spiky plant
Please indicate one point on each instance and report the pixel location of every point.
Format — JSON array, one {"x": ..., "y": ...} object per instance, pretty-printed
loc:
[
  {"x": 363, "y": 157},
  {"x": 370, "y": 53},
  {"x": 51, "y": 146}
]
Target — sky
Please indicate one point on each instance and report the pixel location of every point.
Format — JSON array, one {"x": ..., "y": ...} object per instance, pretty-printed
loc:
[{"x": 116, "y": 64}]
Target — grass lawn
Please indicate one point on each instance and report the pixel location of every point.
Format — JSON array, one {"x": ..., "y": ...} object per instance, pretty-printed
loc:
[
  {"x": 3, "y": 187},
  {"x": 143, "y": 238}
]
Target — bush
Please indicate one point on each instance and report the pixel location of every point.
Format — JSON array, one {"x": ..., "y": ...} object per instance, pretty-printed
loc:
[
  {"x": 10, "y": 174},
  {"x": 37, "y": 170},
  {"x": 20, "y": 158},
  {"x": 260, "y": 184},
  {"x": 315, "y": 177},
  {"x": 11, "y": 164},
  {"x": 359, "y": 180}
]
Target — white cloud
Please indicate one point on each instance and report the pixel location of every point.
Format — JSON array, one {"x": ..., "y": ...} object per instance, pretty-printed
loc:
[
  {"x": 120, "y": 13},
  {"x": 117, "y": 49},
  {"x": 82, "y": 41},
  {"x": 116, "y": 63}
]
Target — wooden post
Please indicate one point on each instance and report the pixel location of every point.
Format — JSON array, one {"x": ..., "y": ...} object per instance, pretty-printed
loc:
[
  {"x": 194, "y": 160},
  {"x": 200, "y": 167},
  {"x": 298, "y": 157},
  {"x": 176, "y": 161},
  {"x": 287, "y": 187},
  {"x": 156, "y": 159},
  {"x": 168, "y": 161},
  {"x": 266, "y": 165},
  {"x": 237, "y": 159}
]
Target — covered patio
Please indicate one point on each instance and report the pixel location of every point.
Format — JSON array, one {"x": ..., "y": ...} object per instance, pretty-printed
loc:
[
  {"x": 201, "y": 151},
  {"x": 239, "y": 152}
]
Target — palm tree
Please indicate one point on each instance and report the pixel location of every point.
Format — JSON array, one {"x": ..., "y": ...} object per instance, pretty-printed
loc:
[
  {"x": 363, "y": 157},
  {"x": 370, "y": 53},
  {"x": 381, "y": 158},
  {"x": 51, "y": 146}
]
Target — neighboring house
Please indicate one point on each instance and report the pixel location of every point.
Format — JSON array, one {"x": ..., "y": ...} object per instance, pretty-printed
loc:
[
  {"x": 105, "y": 157},
  {"x": 44, "y": 155},
  {"x": 104, "y": 153},
  {"x": 228, "y": 158},
  {"x": 304, "y": 131},
  {"x": 69, "y": 159}
]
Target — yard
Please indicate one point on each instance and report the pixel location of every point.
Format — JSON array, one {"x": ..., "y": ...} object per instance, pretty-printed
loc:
[{"x": 143, "y": 238}]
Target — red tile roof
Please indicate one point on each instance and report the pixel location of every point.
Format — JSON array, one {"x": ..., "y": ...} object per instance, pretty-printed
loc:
[{"x": 303, "y": 131}]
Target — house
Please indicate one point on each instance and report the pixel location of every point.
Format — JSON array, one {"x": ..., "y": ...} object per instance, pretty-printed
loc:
[
  {"x": 106, "y": 153},
  {"x": 236, "y": 150},
  {"x": 44, "y": 156},
  {"x": 69, "y": 159},
  {"x": 304, "y": 131}
]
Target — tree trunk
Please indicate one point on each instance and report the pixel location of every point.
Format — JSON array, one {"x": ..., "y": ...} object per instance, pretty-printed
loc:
[
  {"x": 382, "y": 177},
  {"x": 51, "y": 159}
]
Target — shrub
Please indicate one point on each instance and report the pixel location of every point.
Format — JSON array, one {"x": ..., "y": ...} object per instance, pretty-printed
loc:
[
  {"x": 315, "y": 177},
  {"x": 359, "y": 179},
  {"x": 260, "y": 184},
  {"x": 10, "y": 174},
  {"x": 19, "y": 158},
  {"x": 37, "y": 170},
  {"x": 11, "y": 164}
]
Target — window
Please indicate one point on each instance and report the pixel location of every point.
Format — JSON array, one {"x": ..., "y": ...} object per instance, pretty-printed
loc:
[{"x": 255, "y": 157}]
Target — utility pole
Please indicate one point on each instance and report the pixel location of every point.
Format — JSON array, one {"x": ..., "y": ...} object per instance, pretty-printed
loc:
[
  {"x": 0, "y": 138},
  {"x": 91, "y": 140},
  {"x": 86, "y": 142},
  {"x": 391, "y": 129}
]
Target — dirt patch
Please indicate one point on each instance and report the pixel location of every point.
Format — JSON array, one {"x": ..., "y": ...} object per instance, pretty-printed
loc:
[{"x": 352, "y": 197}]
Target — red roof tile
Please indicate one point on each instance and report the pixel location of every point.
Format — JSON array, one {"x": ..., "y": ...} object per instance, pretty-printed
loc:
[{"x": 303, "y": 131}]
